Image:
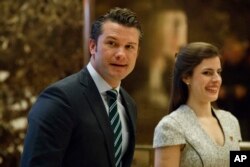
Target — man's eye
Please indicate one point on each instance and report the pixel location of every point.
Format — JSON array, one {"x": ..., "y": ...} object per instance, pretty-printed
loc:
[
  {"x": 111, "y": 43},
  {"x": 129, "y": 46}
]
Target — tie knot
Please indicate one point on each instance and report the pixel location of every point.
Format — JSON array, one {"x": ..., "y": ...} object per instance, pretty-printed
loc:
[{"x": 112, "y": 93}]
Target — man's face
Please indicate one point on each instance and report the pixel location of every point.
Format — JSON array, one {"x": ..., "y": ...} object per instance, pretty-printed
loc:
[{"x": 115, "y": 52}]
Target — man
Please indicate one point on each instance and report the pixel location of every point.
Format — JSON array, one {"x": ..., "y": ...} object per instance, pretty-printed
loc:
[{"x": 69, "y": 125}]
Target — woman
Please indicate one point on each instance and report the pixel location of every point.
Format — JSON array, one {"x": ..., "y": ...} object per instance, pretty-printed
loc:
[{"x": 195, "y": 133}]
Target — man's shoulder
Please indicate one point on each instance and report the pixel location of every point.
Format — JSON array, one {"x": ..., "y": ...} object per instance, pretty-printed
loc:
[
  {"x": 70, "y": 80},
  {"x": 70, "y": 83}
]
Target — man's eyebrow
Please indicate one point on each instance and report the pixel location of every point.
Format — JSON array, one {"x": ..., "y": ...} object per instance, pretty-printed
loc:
[
  {"x": 132, "y": 43},
  {"x": 113, "y": 38},
  {"x": 110, "y": 37}
]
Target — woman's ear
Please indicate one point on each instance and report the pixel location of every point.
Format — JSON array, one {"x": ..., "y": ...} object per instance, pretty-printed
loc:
[{"x": 186, "y": 80}]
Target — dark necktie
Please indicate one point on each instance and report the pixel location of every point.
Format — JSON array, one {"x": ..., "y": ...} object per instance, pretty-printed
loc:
[{"x": 115, "y": 124}]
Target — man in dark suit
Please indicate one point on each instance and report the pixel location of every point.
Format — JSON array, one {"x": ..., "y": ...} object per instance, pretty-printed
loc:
[{"x": 69, "y": 124}]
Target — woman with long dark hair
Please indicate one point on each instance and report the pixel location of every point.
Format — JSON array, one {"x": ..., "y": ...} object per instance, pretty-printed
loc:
[{"x": 195, "y": 132}]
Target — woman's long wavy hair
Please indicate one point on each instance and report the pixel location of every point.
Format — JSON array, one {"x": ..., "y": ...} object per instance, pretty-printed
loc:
[{"x": 186, "y": 60}]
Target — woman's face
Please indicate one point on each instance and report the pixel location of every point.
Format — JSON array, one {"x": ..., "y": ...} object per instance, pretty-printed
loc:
[{"x": 204, "y": 84}]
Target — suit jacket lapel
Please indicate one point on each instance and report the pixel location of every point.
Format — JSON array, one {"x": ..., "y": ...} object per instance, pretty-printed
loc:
[
  {"x": 129, "y": 110},
  {"x": 131, "y": 113},
  {"x": 98, "y": 108}
]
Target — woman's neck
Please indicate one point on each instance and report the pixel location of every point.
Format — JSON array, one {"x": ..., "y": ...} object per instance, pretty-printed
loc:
[{"x": 200, "y": 109}]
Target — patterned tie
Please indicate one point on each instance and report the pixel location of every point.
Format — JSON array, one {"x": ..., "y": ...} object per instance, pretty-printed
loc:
[{"x": 115, "y": 124}]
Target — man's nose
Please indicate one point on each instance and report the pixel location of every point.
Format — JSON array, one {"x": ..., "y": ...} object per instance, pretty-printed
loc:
[{"x": 120, "y": 52}]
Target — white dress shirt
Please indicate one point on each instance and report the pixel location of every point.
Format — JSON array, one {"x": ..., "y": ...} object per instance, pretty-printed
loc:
[{"x": 102, "y": 87}]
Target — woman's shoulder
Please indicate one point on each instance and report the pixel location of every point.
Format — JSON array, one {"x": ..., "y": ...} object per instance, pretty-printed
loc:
[
  {"x": 178, "y": 116},
  {"x": 225, "y": 114},
  {"x": 169, "y": 130},
  {"x": 229, "y": 122}
]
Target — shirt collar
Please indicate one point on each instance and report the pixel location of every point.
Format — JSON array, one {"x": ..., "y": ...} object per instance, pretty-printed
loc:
[{"x": 101, "y": 84}]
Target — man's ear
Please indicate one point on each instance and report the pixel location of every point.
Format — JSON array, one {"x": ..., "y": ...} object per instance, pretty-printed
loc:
[{"x": 92, "y": 46}]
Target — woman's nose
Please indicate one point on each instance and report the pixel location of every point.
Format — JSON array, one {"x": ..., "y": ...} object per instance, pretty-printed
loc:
[{"x": 217, "y": 77}]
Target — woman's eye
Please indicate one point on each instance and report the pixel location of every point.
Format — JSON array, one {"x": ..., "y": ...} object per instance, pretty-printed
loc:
[{"x": 208, "y": 73}]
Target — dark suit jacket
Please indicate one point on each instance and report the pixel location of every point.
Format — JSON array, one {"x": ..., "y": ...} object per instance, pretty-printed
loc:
[{"x": 69, "y": 126}]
